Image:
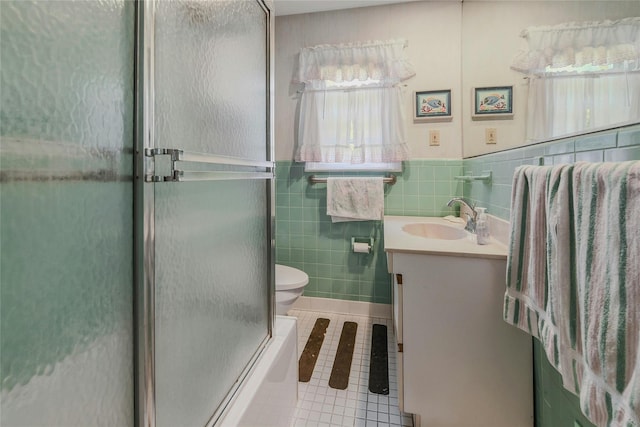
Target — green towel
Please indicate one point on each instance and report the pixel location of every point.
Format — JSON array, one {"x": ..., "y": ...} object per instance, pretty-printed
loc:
[{"x": 573, "y": 279}]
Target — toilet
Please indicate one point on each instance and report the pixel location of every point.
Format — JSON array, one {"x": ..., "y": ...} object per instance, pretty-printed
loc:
[{"x": 290, "y": 283}]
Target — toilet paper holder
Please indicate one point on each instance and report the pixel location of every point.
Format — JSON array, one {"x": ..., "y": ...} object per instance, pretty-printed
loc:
[{"x": 357, "y": 244}]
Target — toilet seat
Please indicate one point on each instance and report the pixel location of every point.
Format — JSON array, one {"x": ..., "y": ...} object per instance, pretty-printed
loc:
[{"x": 290, "y": 278}]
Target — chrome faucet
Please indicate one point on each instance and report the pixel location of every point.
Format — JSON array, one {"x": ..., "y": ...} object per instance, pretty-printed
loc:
[{"x": 471, "y": 219}]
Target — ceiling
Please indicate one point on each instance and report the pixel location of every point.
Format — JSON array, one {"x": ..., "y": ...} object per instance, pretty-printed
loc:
[{"x": 294, "y": 7}]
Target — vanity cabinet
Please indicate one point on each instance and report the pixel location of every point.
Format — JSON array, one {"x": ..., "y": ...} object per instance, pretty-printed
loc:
[{"x": 459, "y": 364}]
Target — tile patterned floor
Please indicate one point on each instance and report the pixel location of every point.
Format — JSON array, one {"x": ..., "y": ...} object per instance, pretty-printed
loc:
[{"x": 321, "y": 405}]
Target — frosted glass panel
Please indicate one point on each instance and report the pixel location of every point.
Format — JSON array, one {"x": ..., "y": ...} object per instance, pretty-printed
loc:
[
  {"x": 211, "y": 293},
  {"x": 66, "y": 213},
  {"x": 67, "y": 72},
  {"x": 211, "y": 74},
  {"x": 212, "y": 245}
]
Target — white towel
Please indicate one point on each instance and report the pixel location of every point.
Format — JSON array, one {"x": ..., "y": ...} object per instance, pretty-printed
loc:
[
  {"x": 355, "y": 199},
  {"x": 581, "y": 298}
]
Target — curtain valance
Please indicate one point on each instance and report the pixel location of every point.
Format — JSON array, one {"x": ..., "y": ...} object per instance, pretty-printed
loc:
[
  {"x": 373, "y": 63},
  {"x": 586, "y": 44}
]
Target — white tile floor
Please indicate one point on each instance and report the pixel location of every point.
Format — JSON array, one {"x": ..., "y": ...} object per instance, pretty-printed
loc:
[{"x": 321, "y": 405}]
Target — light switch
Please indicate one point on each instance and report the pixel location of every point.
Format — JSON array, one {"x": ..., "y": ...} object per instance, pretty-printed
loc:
[
  {"x": 434, "y": 137},
  {"x": 491, "y": 136}
]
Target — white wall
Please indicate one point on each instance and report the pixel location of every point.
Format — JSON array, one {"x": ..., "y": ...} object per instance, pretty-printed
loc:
[{"x": 433, "y": 32}]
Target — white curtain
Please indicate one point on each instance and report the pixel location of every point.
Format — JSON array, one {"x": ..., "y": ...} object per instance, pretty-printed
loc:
[
  {"x": 582, "y": 76},
  {"x": 614, "y": 44},
  {"x": 564, "y": 105},
  {"x": 351, "y": 109}
]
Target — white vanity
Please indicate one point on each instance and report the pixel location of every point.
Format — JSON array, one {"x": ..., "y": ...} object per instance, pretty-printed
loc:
[{"x": 459, "y": 364}]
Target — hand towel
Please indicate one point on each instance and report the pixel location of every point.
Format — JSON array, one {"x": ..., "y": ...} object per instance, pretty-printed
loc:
[
  {"x": 355, "y": 199},
  {"x": 573, "y": 279},
  {"x": 527, "y": 286}
]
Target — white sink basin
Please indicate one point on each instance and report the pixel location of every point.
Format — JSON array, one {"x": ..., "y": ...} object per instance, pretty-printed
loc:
[
  {"x": 434, "y": 231},
  {"x": 437, "y": 236}
]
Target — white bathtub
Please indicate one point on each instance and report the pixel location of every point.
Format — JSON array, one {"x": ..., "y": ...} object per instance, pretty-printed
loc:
[{"x": 269, "y": 395}]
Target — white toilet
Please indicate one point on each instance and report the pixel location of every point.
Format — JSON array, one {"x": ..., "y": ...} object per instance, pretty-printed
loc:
[{"x": 290, "y": 283}]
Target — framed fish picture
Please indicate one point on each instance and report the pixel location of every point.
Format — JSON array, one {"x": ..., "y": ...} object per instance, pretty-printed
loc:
[
  {"x": 432, "y": 106},
  {"x": 493, "y": 102}
]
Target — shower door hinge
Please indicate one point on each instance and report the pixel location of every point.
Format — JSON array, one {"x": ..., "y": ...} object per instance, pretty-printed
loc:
[
  {"x": 160, "y": 165},
  {"x": 400, "y": 348},
  {"x": 399, "y": 279}
]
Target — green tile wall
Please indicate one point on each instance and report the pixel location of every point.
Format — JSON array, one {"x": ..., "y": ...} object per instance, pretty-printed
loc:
[
  {"x": 615, "y": 145},
  {"x": 554, "y": 405},
  {"x": 307, "y": 239}
]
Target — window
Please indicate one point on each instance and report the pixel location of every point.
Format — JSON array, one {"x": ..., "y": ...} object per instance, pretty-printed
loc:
[
  {"x": 351, "y": 109},
  {"x": 582, "y": 76}
]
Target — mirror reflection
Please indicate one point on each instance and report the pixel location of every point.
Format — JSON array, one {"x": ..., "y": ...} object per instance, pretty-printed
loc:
[{"x": 574, "y": 68}]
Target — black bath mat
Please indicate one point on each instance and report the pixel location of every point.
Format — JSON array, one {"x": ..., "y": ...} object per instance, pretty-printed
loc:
[
  {"x": 342, "y": 363},
  {"x": 311, "y": 349},
  {"x": 379, "y": 364}
]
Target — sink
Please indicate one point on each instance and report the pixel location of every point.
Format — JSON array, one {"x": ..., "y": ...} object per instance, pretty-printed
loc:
[
  {"x": 436, "y": 236},
  {"x": 434, "y": 231}
]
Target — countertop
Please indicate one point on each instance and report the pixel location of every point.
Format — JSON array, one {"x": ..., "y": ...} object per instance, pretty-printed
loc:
[{"x": 398, "y": 241}]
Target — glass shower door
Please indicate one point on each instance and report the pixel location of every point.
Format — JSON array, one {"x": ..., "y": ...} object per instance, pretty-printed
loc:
[
  {"x": 209, "y": 173},
  {"x": 66, "y": 213}
]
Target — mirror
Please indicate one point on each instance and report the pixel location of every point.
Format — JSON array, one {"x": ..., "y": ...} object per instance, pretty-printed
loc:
[{"x": 490, "y": 41}]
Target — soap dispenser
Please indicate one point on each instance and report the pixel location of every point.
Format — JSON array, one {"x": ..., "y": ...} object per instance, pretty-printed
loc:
[{"x": 482, "y": 227}]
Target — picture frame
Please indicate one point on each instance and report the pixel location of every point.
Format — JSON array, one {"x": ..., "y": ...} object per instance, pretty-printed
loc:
[
  {"x": 494, "y": 102},
  {"x": 432, "y": 106}
]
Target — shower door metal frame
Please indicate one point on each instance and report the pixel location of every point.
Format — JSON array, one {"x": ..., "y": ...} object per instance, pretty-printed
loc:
[
  {"x": 144, "y": 210},
  {"x": 144, "y": 227}
]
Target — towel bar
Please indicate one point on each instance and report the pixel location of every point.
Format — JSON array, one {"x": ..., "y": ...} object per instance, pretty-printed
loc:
[
  {"x": 391, "y": 179},
  {"x": 486, "y": 176}
]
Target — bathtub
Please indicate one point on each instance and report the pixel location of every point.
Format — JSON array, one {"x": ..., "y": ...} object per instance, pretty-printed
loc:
[{"x": 269, "y": 394}]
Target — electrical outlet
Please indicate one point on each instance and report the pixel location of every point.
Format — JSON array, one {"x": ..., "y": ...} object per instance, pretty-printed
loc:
[
  {"x": 434, "y": 137},
  {"x": 491, "y": 135}
]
